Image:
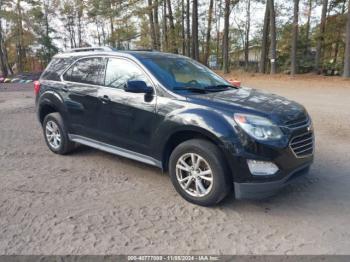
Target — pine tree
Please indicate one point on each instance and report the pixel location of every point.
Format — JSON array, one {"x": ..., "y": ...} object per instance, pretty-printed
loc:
[
  {"x": 247, "y": 32},
  {"x": 195, "y": 44},
  {"x": 273, "y": 41},
  {"x": 207, "y": 43},
  {"x": 320, "y": 40},
  {"x": 293, "y": 55},
  {"x": 152, "y": 25},
  {"x": 264, "y": 45},
  {"x": 188, "y": 29},
  {"x": 347, "y": 47},
  {"x": 226, "y": 66}
]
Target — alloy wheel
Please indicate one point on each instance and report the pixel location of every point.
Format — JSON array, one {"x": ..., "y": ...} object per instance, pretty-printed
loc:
[
  {"x": 53, "y": 134},
  {"x": 194, "y": 175}
]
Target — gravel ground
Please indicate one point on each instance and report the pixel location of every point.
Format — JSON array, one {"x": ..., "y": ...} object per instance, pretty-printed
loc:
[{"x": 92, "y": 202}]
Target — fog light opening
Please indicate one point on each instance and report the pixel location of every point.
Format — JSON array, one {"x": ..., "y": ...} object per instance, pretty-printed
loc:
[{"x": 262, "y": 168}]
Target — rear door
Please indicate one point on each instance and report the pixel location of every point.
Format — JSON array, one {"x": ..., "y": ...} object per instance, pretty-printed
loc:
[
  {"x": 126, "y": 119},
  {"x": 82, "y": 82}
]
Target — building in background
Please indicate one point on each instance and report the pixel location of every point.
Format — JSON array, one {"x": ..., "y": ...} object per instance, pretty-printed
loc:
[{"x": 254, "y": 54}]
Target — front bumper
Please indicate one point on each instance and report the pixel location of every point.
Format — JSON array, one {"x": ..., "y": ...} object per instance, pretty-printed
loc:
[
  {"x": 260, "y": 190},
  {"x": 291, "y": 166}
]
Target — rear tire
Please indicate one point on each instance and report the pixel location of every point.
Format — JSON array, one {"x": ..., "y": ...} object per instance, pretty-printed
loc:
[
  {"x": 199, "y": 173},
  {"x": 56, "y": 135}
]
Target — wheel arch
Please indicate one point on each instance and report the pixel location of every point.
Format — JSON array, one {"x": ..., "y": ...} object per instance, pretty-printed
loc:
[
  {"x": 181, "y": 136},
  {"x": 49, "y": 102},
  {"x": 46, "y": 109}
]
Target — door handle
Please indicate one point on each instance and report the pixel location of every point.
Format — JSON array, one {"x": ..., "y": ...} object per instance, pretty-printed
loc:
[
  {"x": 64, "y": 89},
  {"x": 105, "y": 99}
]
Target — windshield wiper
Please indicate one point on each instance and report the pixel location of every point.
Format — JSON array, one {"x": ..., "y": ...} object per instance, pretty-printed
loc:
[
  {"x": 190, "y": 88},
  {"x": 218, "y": 87}
]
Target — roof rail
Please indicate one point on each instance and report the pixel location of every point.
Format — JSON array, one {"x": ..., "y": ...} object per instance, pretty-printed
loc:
[
  {"x": 141, "y": 50},
  {"x": 87, "y": 49}
]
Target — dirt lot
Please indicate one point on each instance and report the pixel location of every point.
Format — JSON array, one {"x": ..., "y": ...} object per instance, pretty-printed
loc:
[{"x": 91, "y": 202}]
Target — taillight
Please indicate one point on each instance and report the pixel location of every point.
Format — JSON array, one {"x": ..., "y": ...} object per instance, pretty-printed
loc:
[{"x": 36, "y": 87}]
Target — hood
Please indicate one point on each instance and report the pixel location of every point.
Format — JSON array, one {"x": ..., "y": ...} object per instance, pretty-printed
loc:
[{"x": 246, "y": 100}]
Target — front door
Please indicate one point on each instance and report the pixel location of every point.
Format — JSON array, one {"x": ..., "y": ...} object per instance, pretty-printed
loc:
[{"x": 126, "y": 119}]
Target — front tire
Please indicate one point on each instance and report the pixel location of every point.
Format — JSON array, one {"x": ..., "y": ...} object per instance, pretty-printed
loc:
[
  {"x": 199, "y": 173},
  {"x": 56, "y": 135}
]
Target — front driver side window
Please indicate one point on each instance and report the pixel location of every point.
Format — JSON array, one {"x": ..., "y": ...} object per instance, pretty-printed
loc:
[{"x": 119, "y": 71}]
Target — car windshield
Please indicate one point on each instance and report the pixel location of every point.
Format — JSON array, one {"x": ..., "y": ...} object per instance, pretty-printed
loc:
[{"x": 185, "y": 75}]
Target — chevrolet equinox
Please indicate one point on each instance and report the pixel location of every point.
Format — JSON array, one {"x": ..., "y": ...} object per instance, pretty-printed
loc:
[{"x": 172, "y": 112}]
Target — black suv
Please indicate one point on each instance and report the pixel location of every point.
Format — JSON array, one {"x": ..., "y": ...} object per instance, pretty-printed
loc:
[{"x": 172, "y": 112}]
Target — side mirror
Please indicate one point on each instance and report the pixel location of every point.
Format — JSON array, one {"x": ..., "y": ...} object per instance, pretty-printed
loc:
[{"x": 138, "y": 87}]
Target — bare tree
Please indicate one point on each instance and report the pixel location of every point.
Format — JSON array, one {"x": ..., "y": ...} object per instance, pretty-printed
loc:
[
  {"x": 339, "y": 36},
  {"x": 307, "y": 38},
  {"x": 80, "y": 10},
  {"x": 293, "y": 54},
  {"x": 20, "y": 51},
  {"x": 165, "y": 27},
  {"x": 183, "y": 27},
  {"x": 247, "y": 32},
  {"x": 151, "y": 25},
  {"x": 218, "y": 5},
  {"x": 207, "y": 42},
  {"x": 195, "y": 44},
  {"x": 320, "y": 40},
  {"x": 156, "y": 24},
  {"x": 188, "y": 29},
  {"x": 265, "y": 40},
  {"x": 273, "y": 41},
  {"x": 172, "y": 28},
  {"x": 111, "y": 22},
  {"x": 226, "y": 66},
  {"x": 3, "y": 64},
  {"x": 347, "y": 47}
]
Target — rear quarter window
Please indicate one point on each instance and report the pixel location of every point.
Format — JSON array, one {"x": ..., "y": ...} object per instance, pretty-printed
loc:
[{"x": 56, "y": 68}]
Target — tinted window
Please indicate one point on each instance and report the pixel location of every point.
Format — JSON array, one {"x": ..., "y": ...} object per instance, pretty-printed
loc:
[
  {"x": 119, "y": 71},
  {"x": 87, "y": 71},
  {"x": 183, "y": 72},
  {"x": 56, "y": 68}
]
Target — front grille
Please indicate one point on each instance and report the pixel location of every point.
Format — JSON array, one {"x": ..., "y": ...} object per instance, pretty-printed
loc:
[
  {"x": 297, "y": 123},
  {"x": 303, "y": 145}
]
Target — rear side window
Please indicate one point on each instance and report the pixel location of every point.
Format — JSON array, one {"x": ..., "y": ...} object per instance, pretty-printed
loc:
[
  {"x": 87, "y": 71},
  {"x": 56, "y": 68}
]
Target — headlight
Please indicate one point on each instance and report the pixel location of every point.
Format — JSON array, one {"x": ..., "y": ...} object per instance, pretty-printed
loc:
[{"x": 258, "y": 127}]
